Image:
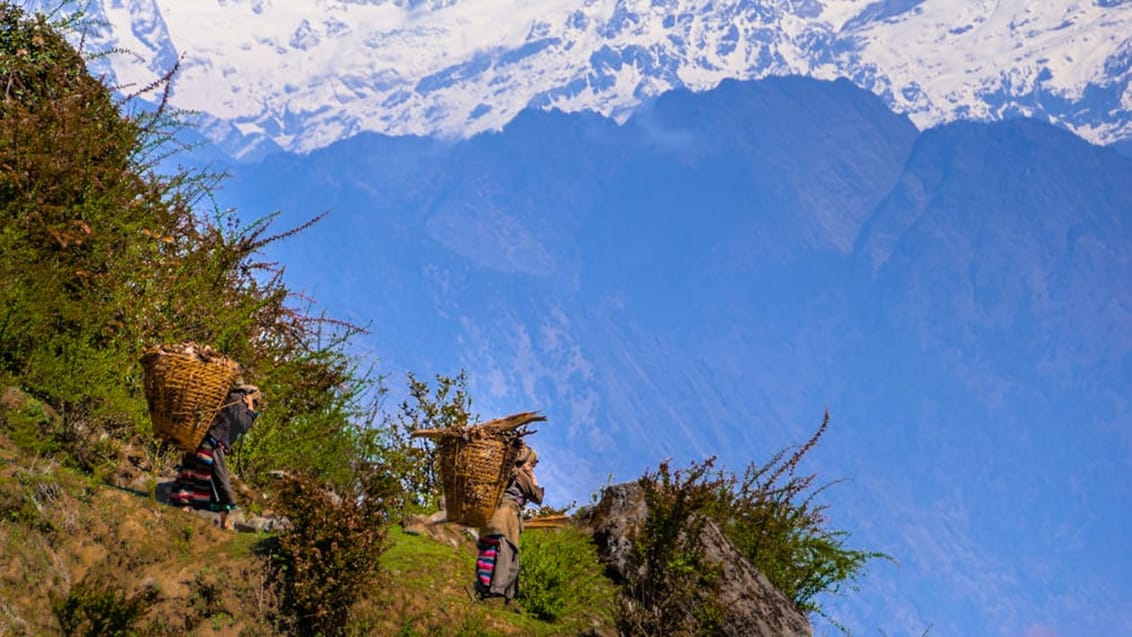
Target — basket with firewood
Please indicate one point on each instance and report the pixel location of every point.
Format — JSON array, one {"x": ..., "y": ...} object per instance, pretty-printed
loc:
[
  {"x": 476, "y": 463},
  {"x": 185, "y": 387}
]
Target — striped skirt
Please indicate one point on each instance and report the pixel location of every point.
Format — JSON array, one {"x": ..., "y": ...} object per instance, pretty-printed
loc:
[
  {"x": 195, "y": 484},
  {"x": 497, "y": 568},
  {"x": 488, "y": 548}
]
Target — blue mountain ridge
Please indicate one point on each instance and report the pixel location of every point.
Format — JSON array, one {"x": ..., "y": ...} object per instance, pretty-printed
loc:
[{"x": 708, "y": 277}]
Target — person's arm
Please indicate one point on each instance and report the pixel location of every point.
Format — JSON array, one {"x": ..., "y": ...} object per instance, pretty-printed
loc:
[{"x": 525, "y": 477}]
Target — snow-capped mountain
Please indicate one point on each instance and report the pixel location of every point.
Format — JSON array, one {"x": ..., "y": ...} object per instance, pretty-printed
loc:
[{"x": 301, "y": 75}]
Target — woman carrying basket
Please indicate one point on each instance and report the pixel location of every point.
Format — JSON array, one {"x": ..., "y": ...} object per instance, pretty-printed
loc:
[
  {"x": 497, "y": 565},
  {"x": 204, "y": 481}
]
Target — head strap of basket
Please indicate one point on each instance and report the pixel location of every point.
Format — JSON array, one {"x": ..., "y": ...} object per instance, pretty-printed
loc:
[
  {"x": 476, "y": 463},
  {"x": 185, "y": 387}
]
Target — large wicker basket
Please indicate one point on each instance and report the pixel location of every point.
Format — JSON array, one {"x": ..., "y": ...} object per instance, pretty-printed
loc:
[
  {"x": 476, "y": 463},
  {"x": 475, "y": 473},
  {"x": 185, "y": 387}
]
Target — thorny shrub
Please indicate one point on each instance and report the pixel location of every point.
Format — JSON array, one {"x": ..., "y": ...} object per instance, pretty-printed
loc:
[
  {"x": 770, "y": 515},
  {"x": 329, "y": 557}
]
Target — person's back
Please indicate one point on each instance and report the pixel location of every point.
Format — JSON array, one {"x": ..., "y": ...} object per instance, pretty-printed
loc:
[{"x": 204, "y": 481}]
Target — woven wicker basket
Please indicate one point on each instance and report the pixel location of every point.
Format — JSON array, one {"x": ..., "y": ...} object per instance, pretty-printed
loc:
[
  {"x": 185, "y": 391},
  {"x": 476, "y": 463},
  {"x": 475, "y": 473}
]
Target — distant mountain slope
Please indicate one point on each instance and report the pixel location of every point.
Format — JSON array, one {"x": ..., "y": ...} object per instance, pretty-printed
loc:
[
  {"x": 990, "y": 372},
  {"x": 301, "y": 76},
  {"x": 1013, "y": 231},
  {"x": 705, "y": 278},
  {"x": 576, "y": 217}
]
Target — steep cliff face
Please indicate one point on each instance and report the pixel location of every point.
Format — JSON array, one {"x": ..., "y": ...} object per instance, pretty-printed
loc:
[{"x": 704, "y": 277}]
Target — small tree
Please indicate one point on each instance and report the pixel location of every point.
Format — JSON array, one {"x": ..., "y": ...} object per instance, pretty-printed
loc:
[{"x": 414, "y": 460}]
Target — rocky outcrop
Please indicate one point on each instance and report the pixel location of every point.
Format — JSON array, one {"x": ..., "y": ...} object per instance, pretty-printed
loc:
[
  {"x": 751, "y": 605},
  {"x": 437, "y": 527}
]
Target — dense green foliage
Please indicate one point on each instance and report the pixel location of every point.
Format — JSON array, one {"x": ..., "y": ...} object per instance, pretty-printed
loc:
[
  {"x": 562, "y": 576},
  {"x": 101, "y": 256}
]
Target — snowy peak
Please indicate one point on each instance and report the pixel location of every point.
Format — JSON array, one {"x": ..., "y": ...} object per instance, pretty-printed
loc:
[{"x": 302, "y": 76}]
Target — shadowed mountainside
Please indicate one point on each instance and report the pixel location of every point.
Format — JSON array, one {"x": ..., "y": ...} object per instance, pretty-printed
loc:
[{"x": 704, "y": 278}]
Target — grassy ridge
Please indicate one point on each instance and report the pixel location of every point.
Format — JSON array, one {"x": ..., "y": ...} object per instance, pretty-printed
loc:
[{"x": 78, "y": 556}]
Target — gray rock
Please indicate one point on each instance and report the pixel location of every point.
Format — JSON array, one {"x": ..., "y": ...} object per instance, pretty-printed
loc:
[
  {"x": 437, "y": 526},
  {"x": 262, "y": 524}
]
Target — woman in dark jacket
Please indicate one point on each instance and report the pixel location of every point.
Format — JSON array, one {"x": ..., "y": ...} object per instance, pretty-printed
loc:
[
  {"x": 497, "y": 565},
  {"x": 204, "y": 481}
]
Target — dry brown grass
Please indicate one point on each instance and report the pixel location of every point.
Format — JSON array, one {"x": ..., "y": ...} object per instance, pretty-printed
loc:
[{"x": 62, "y": 533}]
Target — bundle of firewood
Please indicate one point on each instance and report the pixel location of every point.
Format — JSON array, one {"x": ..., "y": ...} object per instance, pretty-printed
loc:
[{"x": 506, "y": 428}]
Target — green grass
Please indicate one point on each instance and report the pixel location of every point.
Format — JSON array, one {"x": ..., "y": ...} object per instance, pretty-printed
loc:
[
  {"x": 413, "y": 553},
  {"x": 430, "y": 596}
]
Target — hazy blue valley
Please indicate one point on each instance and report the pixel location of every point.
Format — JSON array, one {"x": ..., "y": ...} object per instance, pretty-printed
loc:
[{"x": 708, "y": 277}]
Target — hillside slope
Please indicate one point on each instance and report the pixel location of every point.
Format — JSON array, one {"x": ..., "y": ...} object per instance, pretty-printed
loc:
[
  {"x": 79, "y": 556},
  {"x": 79, "y": 552}
]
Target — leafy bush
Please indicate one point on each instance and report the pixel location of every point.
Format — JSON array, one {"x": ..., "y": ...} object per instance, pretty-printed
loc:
[
  {"x": 101, "y": 608},
  {"x": 561, "y": 576},
  {"x": 68, "y": 207},
  {"x": 329, "y": 557},
  {"x": 669, "y": 587},
  {"x": 771, "y": 517},
  {"x": 30, "y": 423}
]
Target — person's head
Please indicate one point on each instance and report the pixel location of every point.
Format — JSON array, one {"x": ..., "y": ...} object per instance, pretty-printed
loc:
[
  {"x": 252, "y": 396},
  {"x": 527, "y": 457}
]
